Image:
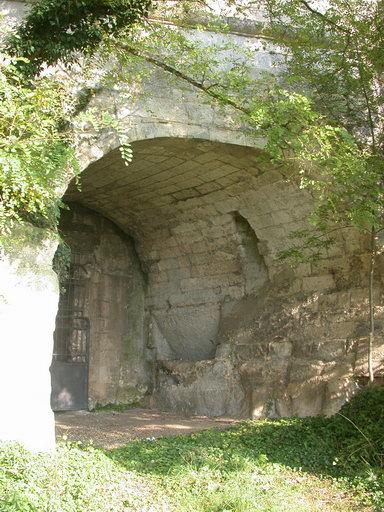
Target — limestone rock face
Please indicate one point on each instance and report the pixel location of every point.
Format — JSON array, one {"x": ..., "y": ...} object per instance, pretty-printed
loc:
[
  {"x": 217, "y": 325},
  {"x": 113, "y": 294},
  {"x": 298, "y": 355},
  {"x": 208, "y": 388}
]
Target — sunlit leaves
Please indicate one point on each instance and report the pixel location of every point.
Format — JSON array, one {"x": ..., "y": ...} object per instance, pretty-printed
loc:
[
  {"x": 57, "y": 30},
  {"x": 334, "y": 56},
  {"x": 35, "y": 150}
]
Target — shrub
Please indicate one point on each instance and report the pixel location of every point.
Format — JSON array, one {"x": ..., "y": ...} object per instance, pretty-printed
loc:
[{"x": 363, "y": 429}]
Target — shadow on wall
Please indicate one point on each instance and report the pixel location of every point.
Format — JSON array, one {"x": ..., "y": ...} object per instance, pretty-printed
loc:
[
  {"x": 187, "y": 331},
  {"x": 104, "y": 291},
  {"x": 254, "y": 270}
]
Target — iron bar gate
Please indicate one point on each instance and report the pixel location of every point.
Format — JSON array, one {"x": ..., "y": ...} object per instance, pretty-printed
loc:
[{"x": 69, "y": 369}]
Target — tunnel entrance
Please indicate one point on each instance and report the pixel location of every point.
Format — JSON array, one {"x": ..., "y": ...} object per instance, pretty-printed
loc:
[
  {"x": 169, "y": 246},
  {"x": 101, "y": 327}
]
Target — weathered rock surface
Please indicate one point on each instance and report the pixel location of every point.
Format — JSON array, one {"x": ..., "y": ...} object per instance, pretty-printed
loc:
[
  {"x": 113, "y": 295},
  {"x": 225, "y": 328},
  {"x": 208, "y": 388}
]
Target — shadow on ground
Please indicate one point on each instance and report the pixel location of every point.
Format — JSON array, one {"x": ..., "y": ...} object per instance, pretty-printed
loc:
[{"x": 322, "y": 446}]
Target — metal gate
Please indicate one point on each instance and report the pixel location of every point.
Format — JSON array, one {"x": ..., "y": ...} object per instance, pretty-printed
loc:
[{"x": 69, "y": 369}]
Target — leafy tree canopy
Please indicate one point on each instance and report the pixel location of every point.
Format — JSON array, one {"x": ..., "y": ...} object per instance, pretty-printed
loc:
[
  {"x": 56, "y": 29},
  {"x": 36, "y": 143},
  {"x": 35, "y": 152}
]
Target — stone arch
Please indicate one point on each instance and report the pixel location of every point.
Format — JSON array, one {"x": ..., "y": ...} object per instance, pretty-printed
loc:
[
  {"x": 290, "y": 346},
  {"x": 95, "y": 146},
  {"x": 201, "y": 216}
]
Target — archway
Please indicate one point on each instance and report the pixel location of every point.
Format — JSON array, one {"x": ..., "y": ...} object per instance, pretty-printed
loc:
[{"x": 167, "y": 246}]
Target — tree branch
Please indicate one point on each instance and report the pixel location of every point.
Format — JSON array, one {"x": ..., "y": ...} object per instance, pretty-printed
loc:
[
  {"x": 207, "y": 89},
  {"x": 323, "y": 17}
]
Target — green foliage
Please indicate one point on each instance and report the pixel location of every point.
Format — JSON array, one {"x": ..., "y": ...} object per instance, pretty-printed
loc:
[
  {"x": 342, "y": 176},
  {"x": 309, "y": 464},
  {"x": 36, "y": 148},
  {"x": 107, "y": 120},
  {"x": 248, "y": 467},
  {"x": 73, "y": 479},
  {"x": 116, "y": 407},
  {"x": 308, "y": 246},
  {"x": 335, "y": 54},
  {"x": 334, "y": 62},
  {"x": 327, "y": 133},
  {"x": 35, "y": 153},
  {"x": 57, "y": 30},
  {"x": 365, "y": 439}
]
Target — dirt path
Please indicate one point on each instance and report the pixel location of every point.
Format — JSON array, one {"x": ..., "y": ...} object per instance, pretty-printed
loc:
[{"x": 113, "y": 429}]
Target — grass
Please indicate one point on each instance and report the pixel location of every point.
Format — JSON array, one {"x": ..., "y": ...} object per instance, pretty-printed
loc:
[
  {"x": 73, "y": 479},
  {"x": 284, "y": 465},
  {"x": 296, "y": 465},
  {"x": 116, "y": 407}
]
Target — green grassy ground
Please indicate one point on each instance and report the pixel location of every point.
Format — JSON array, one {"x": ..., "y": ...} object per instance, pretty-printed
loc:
[
  {"x": 285, "y": 465},
  {"x": 312, "y": 464}
]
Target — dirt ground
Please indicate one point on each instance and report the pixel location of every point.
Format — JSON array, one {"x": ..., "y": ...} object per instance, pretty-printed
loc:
[{"x": 114, "y": 429}]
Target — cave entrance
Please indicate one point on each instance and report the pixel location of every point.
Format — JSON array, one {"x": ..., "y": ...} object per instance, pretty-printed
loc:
[{"x": 69, "y": 369}]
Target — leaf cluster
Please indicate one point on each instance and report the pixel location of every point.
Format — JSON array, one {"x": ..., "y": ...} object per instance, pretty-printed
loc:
[
  {"x": 335, "y": 55},
  {"x": 35, "y": 152},
  {"x": 57, "y": 30},
  {"x": 343, "y": 176}
]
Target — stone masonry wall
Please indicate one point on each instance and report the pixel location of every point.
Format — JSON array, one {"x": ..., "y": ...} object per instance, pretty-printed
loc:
[
  {"x": 114, "y": 290},
  {"x": 190, "y": 205},
  {"x": 232, "y": 330}
]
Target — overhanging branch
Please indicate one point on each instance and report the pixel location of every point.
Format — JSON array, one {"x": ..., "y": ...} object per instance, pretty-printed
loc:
[
  {"x": 323, "y": 16},
  {"x": 207, "y": 89}
]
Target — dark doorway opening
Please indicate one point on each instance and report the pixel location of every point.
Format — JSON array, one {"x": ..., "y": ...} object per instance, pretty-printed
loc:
[{"x": 69, "y": 369}]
